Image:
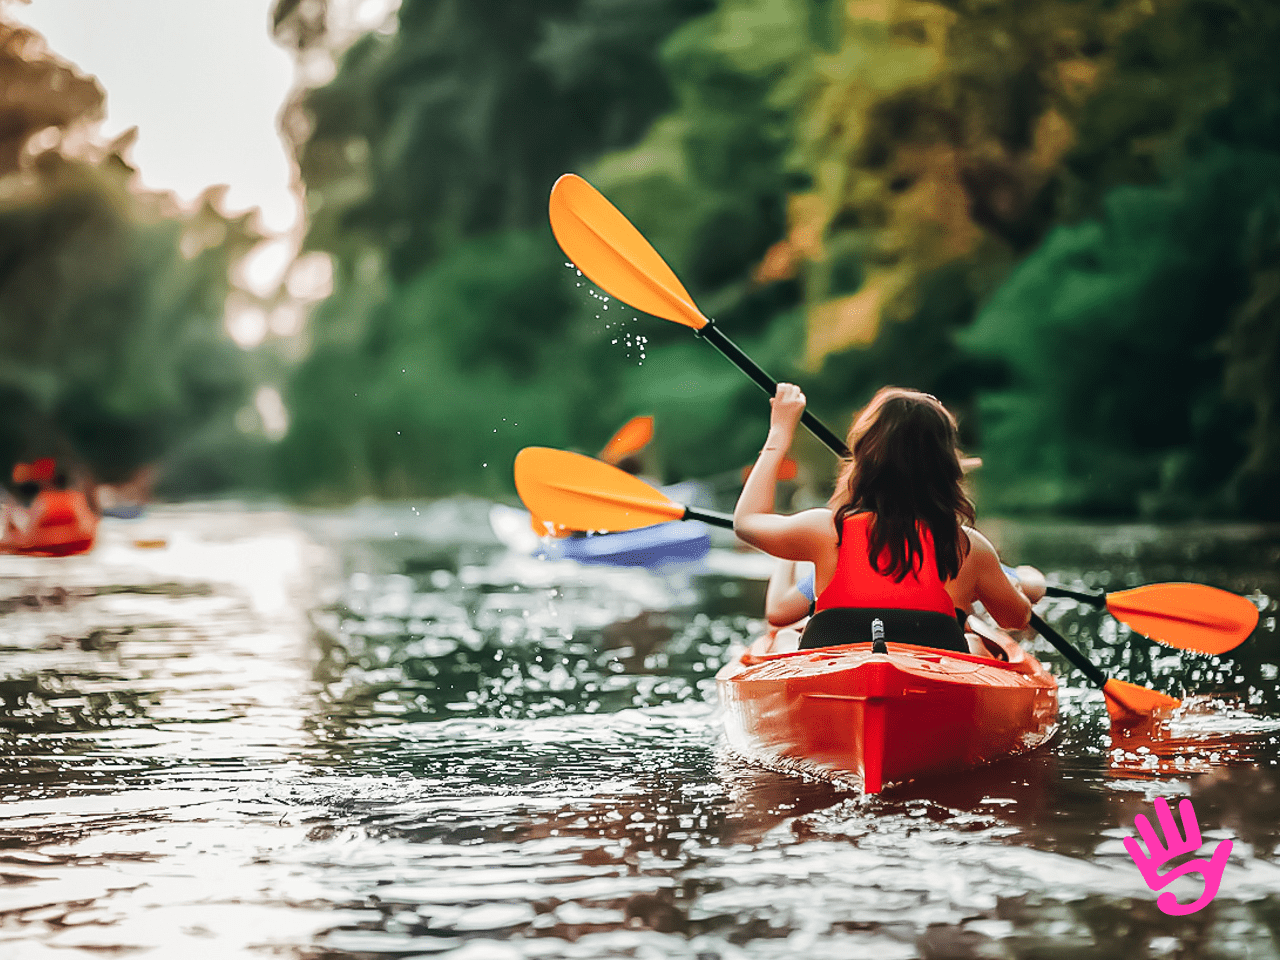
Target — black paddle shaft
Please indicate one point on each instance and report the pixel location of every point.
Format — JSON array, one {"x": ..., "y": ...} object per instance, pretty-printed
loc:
[
  {"x": 712, "y": 334},
  {"x": 1089, "y": 598},
  {"x": 1068, "y": 651},
  {"x": 713, "y": 517}
]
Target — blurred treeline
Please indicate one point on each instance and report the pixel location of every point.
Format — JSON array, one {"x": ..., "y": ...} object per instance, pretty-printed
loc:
[
  {"x": 113, "y": 353},
  {"x": 1060, "y": 216}
]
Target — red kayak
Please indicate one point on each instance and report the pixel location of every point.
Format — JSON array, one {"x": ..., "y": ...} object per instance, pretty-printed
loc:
[
  {"x": 58, "y": 523},
  {"x": 911, "y": 712}
]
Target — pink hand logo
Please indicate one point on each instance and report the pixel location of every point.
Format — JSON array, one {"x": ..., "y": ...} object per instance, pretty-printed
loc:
[{"x": 1210, "y": 870}]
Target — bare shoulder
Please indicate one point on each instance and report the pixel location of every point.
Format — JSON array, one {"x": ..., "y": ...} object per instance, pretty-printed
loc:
[
  {"x": 819, "y": 516},
  {"x": 980, "y": 548},
  {"x": 814, "y": 529}
]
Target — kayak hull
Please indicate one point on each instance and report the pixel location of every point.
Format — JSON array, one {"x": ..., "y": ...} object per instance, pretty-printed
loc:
[
  {"x": 847, "y": 713},
  {"x": 676, "y": 542}
]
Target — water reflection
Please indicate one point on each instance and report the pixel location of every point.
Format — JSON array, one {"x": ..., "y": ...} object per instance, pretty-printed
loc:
[
  {"x": 1206, "y": 734},
  {"x": 379, "y": 739}
]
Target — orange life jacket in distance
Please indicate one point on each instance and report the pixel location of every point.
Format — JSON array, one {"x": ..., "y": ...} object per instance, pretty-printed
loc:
[{"x": 856, "y": 583}]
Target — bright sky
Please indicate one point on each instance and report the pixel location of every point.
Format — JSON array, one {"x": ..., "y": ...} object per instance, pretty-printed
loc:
[{"x": 203, "y": 82}]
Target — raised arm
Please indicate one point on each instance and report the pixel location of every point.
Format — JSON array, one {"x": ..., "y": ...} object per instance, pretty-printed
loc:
[{"x": 797, "y": 537}]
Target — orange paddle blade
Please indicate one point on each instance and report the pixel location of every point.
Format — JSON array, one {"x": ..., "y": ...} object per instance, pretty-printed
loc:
[
  {"x": 786, "y": 471},
  {"x": 1128, "y": 701},
  {"x": 614, "y": 255},
  {"x": 1190, "y": 616},
  {"x": 632, "y": 438},
  {"x": 580, "y": 493}
]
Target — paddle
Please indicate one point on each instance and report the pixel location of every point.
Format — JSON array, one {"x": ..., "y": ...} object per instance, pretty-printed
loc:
[
  {"x": 613, "y": 255},
  {"x": 581, "y": 493},
  {"x": 1122, "y": 698},
  {"x": 631, "y": 438},
  {"x": 1189, "y": 616},
  {"x": 616, "y": 257}
]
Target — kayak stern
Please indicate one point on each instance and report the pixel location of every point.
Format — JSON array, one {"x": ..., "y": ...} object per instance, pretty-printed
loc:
[{"x": 884, "y": 718}]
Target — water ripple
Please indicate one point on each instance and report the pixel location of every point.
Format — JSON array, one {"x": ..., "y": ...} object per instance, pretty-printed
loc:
[{"x": 379, "y": 734}]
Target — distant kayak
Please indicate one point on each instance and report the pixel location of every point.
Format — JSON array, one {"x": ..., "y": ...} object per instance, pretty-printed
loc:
[
  {"x": 675, "y": 542},
  {"x": 58, "y": 523},
  {"x": 654, "y": 546}
]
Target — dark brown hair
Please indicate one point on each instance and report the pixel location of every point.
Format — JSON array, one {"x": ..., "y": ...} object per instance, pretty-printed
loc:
[{"x": 905, "y": 471}]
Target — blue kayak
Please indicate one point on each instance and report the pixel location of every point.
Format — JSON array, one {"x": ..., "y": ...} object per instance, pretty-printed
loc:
[{"x": 680, "y": 541}]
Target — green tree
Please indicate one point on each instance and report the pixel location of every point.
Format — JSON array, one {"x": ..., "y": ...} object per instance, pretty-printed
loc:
[
  {"x": 936, "y": 139},
  {"x": 708, "y": 184},
  {"x": 427, "y": 162},
  {"x": 112, "y": 349},
  {"x": 441, "y": 392},
  {"x": 1140, "y": 344},
  {"x": 1110, "y": 333},
  {"x": 1252, "y": 375},
  {"x": 457, "y": 123}
]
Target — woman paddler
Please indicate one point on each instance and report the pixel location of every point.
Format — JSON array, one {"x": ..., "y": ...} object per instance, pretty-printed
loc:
[{"x": 895, "y": 544}]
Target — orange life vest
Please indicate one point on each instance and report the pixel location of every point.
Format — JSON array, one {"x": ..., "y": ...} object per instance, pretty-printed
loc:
[{"x": 856, "y": 583}]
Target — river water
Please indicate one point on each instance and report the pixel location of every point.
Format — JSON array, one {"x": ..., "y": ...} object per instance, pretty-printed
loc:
[{"x": 379, "y": 733}]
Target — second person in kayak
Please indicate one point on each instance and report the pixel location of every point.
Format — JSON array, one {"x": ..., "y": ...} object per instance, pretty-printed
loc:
[{"x": 897, "y": 532}]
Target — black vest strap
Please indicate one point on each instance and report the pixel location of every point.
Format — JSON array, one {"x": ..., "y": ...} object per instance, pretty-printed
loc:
[{"x": 924, "y": 628}]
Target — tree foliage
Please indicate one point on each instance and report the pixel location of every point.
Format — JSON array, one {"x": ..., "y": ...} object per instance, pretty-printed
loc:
[
  {"x": 438, "y": 391},
  {"x": 1140, "y": 343},
  {"x": 1058, "y": 215},
  {"x": 428, "y": 160},
  {"x": 112, "y": 349},
  {"x": 936, "y": 137},
  {"x": 1112, "y": 333},
  {"x": 457, "y": 124}
]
